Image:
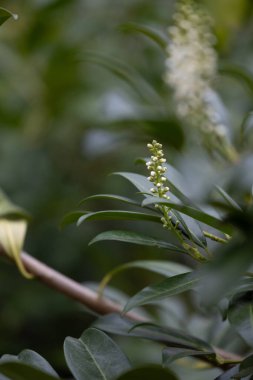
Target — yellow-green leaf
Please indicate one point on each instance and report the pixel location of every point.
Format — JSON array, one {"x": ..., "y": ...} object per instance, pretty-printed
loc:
[{"x": 12, "y": 236}]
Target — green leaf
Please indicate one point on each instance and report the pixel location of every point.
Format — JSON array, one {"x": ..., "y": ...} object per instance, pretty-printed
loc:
[
  {"x": 32, "y": 359},
  {"x": 147, "y": 31},
  {"x": 5, "y": 15},
  {"x": 116, "y": 324},
  {"x": 229, "y": 200},
  {"x": 118, "y": 215},
  {"x": 12, "y": 236},
  {"x": 166, "y": 288},
  {"x": 136, "y": 238},
  {"x": 170, "y": 354},
  {"x": 126, "y": 73},
  {"x": 94, "y": 356},
  {"x": 112, "y": 197},
  {"x": 177, "y": 185},
  {"x": 238, "y": 72},
  {"x": 150, "y": 372},
  {"x": 139, "y": 181},
  {"x": 192, "y": 212},
  {"x": 193, "y": 232},
  {"x": 72, "y": 217},
  {"x": 20, "y": 371},
  {"x": 163, "y": 268}
]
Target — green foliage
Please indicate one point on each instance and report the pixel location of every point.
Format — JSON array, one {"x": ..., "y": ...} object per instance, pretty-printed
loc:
[
  {"x": 94, "y": 356},
  {"x": 70, "y": 112}
]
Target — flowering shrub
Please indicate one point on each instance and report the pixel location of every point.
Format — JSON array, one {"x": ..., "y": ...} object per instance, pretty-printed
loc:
[{"x": 199, "y": 316}]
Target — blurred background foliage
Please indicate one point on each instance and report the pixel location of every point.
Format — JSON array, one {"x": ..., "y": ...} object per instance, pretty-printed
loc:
[{"x": 81, "y": 94}]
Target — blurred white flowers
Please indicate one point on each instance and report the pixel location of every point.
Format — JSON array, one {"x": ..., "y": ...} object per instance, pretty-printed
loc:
[{"x": 191, "y": 66}]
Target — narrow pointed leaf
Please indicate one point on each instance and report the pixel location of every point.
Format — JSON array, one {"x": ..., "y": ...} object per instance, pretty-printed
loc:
[
  {"x": 238, "y": 72},
  {"x": 177, "y": 185},
  {"x": 192, "y": 212},
  {"x": 163, "y": 268},
  {"x": 230, "y": 201},
  {"x": 147, "y": 31},
  {"x": 139, "y": 181},
  {"x": 94, "y": 356},
  {"x": 5, "y": 15},
  {"x": 170, "y": 354},
  {"x": 166, "y": 288},
  {"x": 72, "y": 217},
  {"x": 126, "y": 73},
  {"x": 116, "y": 324},
  {"x": 113, "y": 197},
  {"x": 118, "y": 215},
  {"x": 193, "y": 231},
  {"x": 136, "y": 238}
]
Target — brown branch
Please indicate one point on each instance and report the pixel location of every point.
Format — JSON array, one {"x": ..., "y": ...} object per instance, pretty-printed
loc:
[
  {"x": 91, "y": 299},
  {"x": 71, "y": 288}
]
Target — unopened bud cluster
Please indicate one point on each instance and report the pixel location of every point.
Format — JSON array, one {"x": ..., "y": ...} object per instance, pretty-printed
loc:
[
  {"x": 190, "y": 68},
  {"x": 157, "y": 169}
]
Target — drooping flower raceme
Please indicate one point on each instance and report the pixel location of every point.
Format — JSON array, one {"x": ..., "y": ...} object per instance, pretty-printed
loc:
[{"x": 191, "y": 66}]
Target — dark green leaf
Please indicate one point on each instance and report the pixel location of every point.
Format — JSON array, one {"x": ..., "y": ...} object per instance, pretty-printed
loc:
[
  {"x": 118, "y": 215},
  {"x": 126, "y": 73},
  {"x": 148, "y": 373},
  {"x": 230, "y": 201},
  {"x": 112, "y": 197},
  {"x": 136, "y": 238},
  {"x": 116, "y": 324},
  {"x": 32, "y": 359},
  {"x": 94, "y": 356},
  {"x": 170, "y": 354},
  {"x": 139, "y": 181},
  {"x": 190, "y": 229},
  {"x": 5, "y": 15},
  {"x": 71, "y": 217},
  {"x": 166, "y": 288},
  {"x": 20, "y": 371},
  {"x": 177, "y": 185},
  {"x": 163, "y": 268},
  {"x": 192, "y": 212},
  {"x": 147, "y": 31},
  {"x": 238, "y": 72}
]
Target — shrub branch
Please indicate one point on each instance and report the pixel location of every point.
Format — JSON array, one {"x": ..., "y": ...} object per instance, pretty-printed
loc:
[{"x": 94, "y": 302}]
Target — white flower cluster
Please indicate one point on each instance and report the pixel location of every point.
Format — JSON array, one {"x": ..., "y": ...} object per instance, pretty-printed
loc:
[
  {"x": 191, "y": 66},
  {"x": 157, "y": 170}
]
